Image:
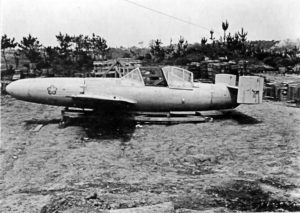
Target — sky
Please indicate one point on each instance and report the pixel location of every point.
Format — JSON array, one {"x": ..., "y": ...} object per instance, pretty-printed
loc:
[{"x": 136, "y": 22}]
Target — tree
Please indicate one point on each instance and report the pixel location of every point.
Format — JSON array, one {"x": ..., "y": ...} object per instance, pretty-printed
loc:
[
  {"x": 79, "y": 43},
  {"x": 65, "y": 43},
  {"x": 211, "y": 35},
  {"x": 99, "y": 46},
  {"x": 30, "y": 47},
  {"x": 156, "y": 50},
  {"x": 50, "y": 55},
  {"x": 236, "y": 40},
  {"x": 17, "y": 55},
  {"x": 243, "y": 35},
  {"x": 181, "y": 47},
  {"x": 225, "y": 26},
  {"x": 229, "y": 40},
  {"x": 243, "y": 39},
  {"x": 86, "y": 44},
  {"x": 126, "y": 55},
  {"x": 169, "y": 50},
  {"x": 7, "y": 43},
  {"x": 203, "y": 41}
]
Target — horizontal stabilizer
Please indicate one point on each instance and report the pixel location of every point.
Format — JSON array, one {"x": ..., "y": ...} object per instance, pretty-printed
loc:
[{"x": 233, "y": 87}]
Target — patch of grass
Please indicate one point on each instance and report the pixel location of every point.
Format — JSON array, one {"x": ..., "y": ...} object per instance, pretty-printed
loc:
[{"x": 243, "y": 195}]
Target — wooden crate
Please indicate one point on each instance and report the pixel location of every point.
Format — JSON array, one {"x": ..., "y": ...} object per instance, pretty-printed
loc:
[
  {"x": 269, "y": 92},
  {"x": 293, "y": 92}
]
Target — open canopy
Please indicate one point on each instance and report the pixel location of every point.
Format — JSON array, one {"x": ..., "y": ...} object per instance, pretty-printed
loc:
[
  {"x": 178, "y": 77},
  {"x": 135, "y": 76}
]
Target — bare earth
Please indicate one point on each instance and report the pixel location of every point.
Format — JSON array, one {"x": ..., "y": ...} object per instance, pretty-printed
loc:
[{"x": 247, "y": 161}]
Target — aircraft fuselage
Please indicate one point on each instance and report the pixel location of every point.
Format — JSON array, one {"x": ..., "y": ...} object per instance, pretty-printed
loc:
[{"x": 58, "y": 91}]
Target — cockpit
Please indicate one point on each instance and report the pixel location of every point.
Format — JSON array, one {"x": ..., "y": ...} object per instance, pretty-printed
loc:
[{"x": 169, "y": 76}]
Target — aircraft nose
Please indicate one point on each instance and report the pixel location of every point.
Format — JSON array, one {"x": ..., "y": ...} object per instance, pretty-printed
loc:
[
  {"x": 9, "y": 88},
  {"x": 18, "y": 89}
]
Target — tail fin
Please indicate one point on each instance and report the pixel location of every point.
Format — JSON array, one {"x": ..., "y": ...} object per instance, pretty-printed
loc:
[{"x": 250, "y": 90}]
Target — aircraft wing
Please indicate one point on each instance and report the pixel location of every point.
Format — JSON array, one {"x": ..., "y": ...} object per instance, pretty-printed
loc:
[
  {"x": 232, "y": 87},
  {"x": 103, "y": 101}
]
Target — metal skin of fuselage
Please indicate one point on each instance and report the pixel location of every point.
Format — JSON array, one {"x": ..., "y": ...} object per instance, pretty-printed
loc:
[{"x": 59, "y": 92}]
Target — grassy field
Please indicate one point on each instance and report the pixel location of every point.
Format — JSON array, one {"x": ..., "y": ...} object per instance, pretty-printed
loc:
[{"x": 247, "y": 160}]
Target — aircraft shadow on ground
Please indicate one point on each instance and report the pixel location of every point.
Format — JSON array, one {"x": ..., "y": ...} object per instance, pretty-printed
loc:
[
  {"x": 113, "y": 128},
  {"x": 237, "y": 116},
  {"x": 96, "y": 127},
  {"x": 116, "y": 127}
]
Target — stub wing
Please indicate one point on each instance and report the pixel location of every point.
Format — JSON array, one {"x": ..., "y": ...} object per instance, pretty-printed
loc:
[
  {"x": 234, "y": 88},
  {"x": 103, "y": 101}
]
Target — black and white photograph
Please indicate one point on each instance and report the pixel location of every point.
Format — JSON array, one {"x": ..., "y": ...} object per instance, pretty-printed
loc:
[{"x": 150, "y": 106}]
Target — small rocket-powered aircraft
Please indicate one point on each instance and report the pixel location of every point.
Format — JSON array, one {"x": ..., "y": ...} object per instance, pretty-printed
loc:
[{"x": 175, "y": 90}]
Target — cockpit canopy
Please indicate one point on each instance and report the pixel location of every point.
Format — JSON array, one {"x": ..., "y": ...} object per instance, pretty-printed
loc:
[
  {"x": 135, "y": 76},
  {"x": 177, "y": 77},
  {"x": 174, "y": 77}
]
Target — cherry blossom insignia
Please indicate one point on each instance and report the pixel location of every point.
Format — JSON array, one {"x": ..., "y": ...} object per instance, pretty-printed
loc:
[{"x": 52, "y": 90}]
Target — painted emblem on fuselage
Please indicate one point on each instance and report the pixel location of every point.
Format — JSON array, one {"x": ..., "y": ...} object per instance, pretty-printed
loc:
[{"x": 52, "y": 90}]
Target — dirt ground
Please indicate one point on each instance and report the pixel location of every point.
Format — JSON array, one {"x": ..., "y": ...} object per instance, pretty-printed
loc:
[{"x": 247, "y": 160}]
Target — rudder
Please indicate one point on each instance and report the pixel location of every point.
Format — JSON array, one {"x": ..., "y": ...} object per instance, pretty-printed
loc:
[{"x": 250, "y": 90}]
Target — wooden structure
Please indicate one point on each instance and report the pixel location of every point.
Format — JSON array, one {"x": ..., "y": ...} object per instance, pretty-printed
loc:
[
  {"x": 114, "y": 68},
  {"x": 209, "y": 68},
  {"x": 293, "y": 92},
  {"x": 282, "y": 91},
  {"x": 172, "y": 117},
  {"x": 275, "y": 91}
]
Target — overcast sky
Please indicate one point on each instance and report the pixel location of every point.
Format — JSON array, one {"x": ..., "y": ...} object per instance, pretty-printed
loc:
[{"x": 123, "y": 23}]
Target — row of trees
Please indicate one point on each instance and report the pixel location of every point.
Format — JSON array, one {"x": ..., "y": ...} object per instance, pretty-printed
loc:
[
  {"x": 233, "y": 46},
  {"x": 76, "y": 53},
  {"x": 71, "y": 52},
  {"x": 181, "y": 52}
]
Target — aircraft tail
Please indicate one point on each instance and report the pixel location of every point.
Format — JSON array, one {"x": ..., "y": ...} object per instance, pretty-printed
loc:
[
  {"x": 248, "y": 91},
  {"x": 226, "y": 79}
]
